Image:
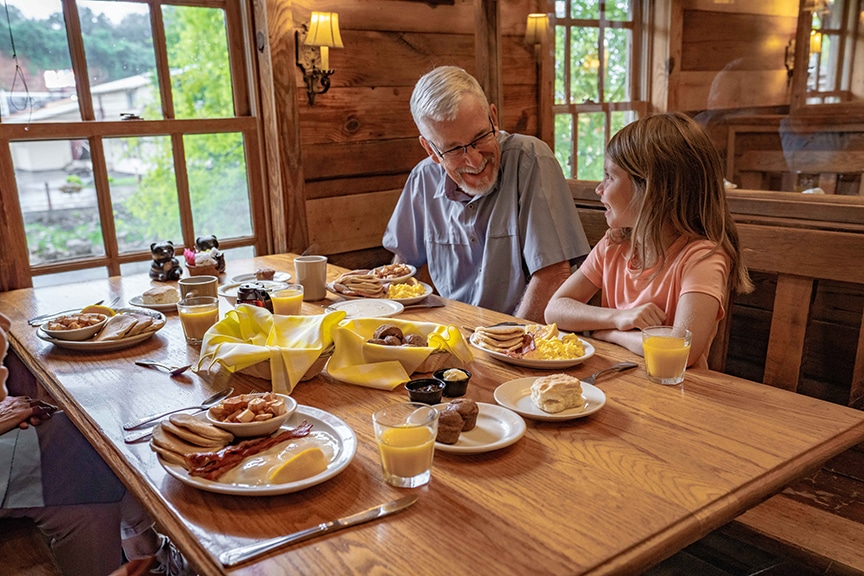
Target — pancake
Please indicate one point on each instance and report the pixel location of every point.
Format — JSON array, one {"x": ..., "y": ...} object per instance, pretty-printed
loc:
[
  {"x": 143, "y": 325},
  {"x": 191, "y": 437},
  {"x": 174, "y": 443},
  {"x": 116, "y": 327},
  {"x": 170, "y": 456},
  {"x": 200, "y": 427}
]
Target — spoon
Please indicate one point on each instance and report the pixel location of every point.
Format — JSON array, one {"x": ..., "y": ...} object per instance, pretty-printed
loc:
[
  {"x": 173, "y": 370},
  {"x": 214, "y": 399},
  {"x": 614, "y": 368}
]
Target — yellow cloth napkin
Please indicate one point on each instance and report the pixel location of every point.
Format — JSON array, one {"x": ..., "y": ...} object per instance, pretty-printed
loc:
[
  {"x": 384, "y": 367},
  {"x": 251, "y": 334}
]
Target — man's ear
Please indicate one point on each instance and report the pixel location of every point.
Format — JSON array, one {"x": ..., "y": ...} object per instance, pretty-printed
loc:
[
  {"x": 429, "y": 150},
  {"x": 493, "y": 113}
]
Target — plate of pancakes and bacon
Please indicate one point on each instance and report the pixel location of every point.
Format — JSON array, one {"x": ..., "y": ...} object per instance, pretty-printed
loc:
[
  {"x": 540, "y": 346},
  {"x": 127, "y": 327},
  {"x": 358, "y": 284},
  {"x": 311, "y": 447}
]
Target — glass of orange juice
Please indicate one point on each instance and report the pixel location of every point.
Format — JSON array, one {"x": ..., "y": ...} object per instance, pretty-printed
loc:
[
  {"x": 666, "y": 349},
  {"x": 288, "y": 301},
  {"x": 197, "y": 314},
  {"x": 405, "y": 434}
]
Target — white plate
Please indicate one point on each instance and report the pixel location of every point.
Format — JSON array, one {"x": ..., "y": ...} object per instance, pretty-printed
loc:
[
  {"x": 107, "y": 345},
  {"x": 398, "y": 279},
  {"x": 229, "y": 291},
  {"x": 368, "y": 308},
  {"x": 321, "y": 421},
  {"x": 532, "y": 363},
  {"x": 496, "y": 428},
  {"x": 403, "y": 301},
  {"x": 138, "y": 301},
  {"x": 277, "y": 277},
  {"x": 516, "y": 395}
]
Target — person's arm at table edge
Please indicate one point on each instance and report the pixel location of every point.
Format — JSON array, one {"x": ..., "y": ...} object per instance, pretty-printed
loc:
[{"x": 543, "y": 284}]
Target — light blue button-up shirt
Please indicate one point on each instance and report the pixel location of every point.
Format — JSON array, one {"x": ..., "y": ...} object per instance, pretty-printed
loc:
[{"x": 483, "y": 250}]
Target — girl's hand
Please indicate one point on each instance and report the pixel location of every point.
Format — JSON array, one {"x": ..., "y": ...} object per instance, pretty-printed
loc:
[{"x": 640, "y": 317}]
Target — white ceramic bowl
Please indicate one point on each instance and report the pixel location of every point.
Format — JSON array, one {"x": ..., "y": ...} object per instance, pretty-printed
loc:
[
  {"x": 77, "y": 334},
  {"x": 250, "y": 429}
]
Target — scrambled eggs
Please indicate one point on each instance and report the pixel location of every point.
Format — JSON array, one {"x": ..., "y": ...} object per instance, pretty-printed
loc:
[
  {"x": 566, "y": 348},
  {"x": 406, "y": 290}
]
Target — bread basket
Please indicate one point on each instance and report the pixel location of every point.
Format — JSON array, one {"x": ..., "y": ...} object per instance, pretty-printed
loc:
[
  {"x": 262, "y": 369},
  {"x": 203, "y": 270}
]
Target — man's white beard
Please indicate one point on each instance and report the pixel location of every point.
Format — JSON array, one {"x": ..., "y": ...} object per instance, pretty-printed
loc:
[{"x": 485, "y": 188}]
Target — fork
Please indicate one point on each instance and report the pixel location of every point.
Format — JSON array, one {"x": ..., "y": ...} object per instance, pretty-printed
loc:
[{"x": 614, "y": 368}]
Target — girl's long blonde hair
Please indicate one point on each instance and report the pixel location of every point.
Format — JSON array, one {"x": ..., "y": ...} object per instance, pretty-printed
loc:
[{"x": 678, "y": 186}]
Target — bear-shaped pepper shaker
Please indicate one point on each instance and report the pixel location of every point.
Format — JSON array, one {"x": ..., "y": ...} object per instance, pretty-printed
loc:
[{"x": 165, "y": 266}]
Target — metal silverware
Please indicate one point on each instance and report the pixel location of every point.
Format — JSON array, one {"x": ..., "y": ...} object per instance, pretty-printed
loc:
[
  {"x": 244, "y": 553},
  {"x": 614, "y": 368},
  {"x": 173, "y": 370},
  {"x": 215, "y": 398}
]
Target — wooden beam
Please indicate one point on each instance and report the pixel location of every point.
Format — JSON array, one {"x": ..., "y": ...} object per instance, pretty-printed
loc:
[{"x": 488, "y": 53}]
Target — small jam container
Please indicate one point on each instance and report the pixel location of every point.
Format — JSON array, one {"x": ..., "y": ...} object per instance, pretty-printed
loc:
[
  {"x": 425, "y": 390},
  {"x": 455, "y": 381}
]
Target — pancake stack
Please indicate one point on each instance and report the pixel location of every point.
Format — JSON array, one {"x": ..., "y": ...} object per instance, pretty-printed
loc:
[
  {"x": 360, "y": 283},
  {"x": 501, "y": 339},
  {"x": 127, "y": 324},
  {"x": 184, "y": 434}
]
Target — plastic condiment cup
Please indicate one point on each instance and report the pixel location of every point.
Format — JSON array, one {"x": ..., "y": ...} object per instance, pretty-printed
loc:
[
  {"x": 666, "y": 350},
  {"x": 197, "y": 315},
  {"x": 288, "y": 301},
  {"x": 405, "y": 434}
]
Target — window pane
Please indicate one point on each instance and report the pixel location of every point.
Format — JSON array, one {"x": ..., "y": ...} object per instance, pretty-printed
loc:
[
  {"x": 560, "y": 65},
  {"x": 42, "y": 87},
  {"x": 564, "y": 143},
  {"x": 620, "y": 119},
  {"x": 58, "y": 199},
  {"x": 585, "y": 9},
  {"x": 560, "y": 9},
  {"x": 120, "y": 59},
  {"x": 617, "y": 57},
  {"x": 143, "y": 191},
  {"x": 198, "y": 52},
  {"x": 585, "y": 65},
  {"x": 591, "y": 142},
  {"x": 618, "y": 10},
  {"x": 218, "y": 184}
]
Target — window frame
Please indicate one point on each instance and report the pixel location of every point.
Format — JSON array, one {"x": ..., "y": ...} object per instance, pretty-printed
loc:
[{"x": 246, "y": 121}]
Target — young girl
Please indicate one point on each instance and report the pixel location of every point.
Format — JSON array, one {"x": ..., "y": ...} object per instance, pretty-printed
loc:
[{"x": 671, "y": 251}]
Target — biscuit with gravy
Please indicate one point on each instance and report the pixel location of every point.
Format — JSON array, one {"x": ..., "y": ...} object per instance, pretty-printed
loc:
[{"x": 557, "y": 392}]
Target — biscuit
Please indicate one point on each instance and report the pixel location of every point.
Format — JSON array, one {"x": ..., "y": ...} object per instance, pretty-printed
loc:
[{"x": 557, "y": 392}]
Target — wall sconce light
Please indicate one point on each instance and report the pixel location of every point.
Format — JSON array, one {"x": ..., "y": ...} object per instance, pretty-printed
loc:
[
  {"x": 536, "y": 28},
  {"x": 815, "y": 42},
  {"x": 313, "y": 51}
]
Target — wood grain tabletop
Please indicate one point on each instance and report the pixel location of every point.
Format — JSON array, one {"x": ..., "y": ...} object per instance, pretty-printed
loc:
[{"x": 612, "y": 493}]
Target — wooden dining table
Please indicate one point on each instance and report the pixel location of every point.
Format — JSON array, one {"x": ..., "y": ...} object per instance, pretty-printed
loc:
[{"x": 615, "y": 492}]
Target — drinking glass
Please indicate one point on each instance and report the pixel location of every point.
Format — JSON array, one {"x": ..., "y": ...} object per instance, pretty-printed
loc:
[
  {"x": 197, "y": 314},
  {"x": 666, "y": 349},
  {"x": 288, "y": 301},
  {"x": 405, "y": 434}
]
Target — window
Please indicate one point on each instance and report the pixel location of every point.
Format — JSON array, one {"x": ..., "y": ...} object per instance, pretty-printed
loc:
[
  {"x": 126, "y": 127},
  {"x": 598, "y": 88},
  {"x": 834, "y": 27}
]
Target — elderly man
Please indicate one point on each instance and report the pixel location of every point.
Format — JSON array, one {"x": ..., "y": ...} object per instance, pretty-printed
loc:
[{"x": 489, "y": 213}]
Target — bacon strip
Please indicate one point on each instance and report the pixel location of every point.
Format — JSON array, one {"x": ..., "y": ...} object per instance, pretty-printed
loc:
[{"x": 212, "y": 465}]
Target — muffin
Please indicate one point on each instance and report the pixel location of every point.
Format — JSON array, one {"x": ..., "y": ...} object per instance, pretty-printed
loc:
[
  {"x": 449, "y": 427},
  {"x": 265, "y": 274},
  {"x": 467, "y": 409}
]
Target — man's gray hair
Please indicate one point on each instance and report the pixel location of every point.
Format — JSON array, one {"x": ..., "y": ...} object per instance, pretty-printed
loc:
[{"x": 438, "y": 94}]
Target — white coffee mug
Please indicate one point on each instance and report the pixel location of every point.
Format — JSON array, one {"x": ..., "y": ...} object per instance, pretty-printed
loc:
[
  {"x": 199, "y": 286},
  {"x": 312, "y": 274}
]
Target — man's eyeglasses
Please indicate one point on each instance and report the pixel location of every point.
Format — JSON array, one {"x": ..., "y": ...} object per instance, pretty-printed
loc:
[{"x": 459, "y": 151}]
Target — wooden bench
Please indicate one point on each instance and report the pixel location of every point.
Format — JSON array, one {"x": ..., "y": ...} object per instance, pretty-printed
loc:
[{"x": 806, "y": 256}]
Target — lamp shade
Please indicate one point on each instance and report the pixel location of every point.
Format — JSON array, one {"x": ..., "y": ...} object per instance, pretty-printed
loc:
[
  {"x": 815, "y": 42},
  {"x": 324, "y": 30},
  {"x": 536, "y": 28}
]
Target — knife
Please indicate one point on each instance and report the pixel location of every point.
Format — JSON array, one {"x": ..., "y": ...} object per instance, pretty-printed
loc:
[{"x": 243, "y": 553}]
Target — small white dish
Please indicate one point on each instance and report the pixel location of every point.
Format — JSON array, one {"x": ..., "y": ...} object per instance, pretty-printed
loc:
[
  {"x": 76, "y": 334},
  {"x": 251, "y": 429},
  {"x": 277, "y": 277},
  {"x": 397, "y": 279},
  {"x": 497, "y": 427},
  {"x": 532, "y": 363},
  {"x": 516, "y": 395},
  {"x": 368, "y": 308},
  {"x": 229, "y": 291},
  {"x": 139, "y": 301}
]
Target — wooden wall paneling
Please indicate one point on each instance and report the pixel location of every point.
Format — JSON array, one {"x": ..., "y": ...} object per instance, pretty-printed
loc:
[
  {"x": 349, "y": 223},
  {"x": 487, "y": 39},
  {"x": 788, "y": 329},
  {"x": 280, "y": 27},
  {"x": 14, "y": 255},
  {"x": 362, "y": 158},
  {"x": 355, "y": 185}
]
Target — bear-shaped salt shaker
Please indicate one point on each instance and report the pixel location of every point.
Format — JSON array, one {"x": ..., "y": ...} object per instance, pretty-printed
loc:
[
  {"x": 211, "y": 244},
  {"x": 165, "y": 266}
]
